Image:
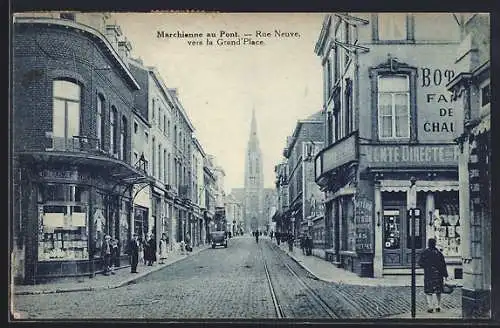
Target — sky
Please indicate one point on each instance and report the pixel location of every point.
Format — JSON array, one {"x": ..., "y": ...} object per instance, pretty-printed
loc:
[{"x": 220, "y": 85}]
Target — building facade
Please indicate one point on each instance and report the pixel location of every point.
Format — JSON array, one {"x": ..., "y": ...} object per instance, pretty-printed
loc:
[
  {"x": 210, "y": 181},
  {"x": 73, "y": 104},
  {"x": 472, "y": 93},
  {"x": 306, "y": 134},
  {"x": 389, "y": 117},
  {"x": 199, "y": 191},
  {"x": 254, "y": 181},
  {"x": 234, "y": 215},
  {"x": 281, "y": 217}
]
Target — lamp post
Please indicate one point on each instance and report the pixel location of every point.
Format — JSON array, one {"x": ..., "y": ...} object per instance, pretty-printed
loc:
[{"x": 414, "y": 212}]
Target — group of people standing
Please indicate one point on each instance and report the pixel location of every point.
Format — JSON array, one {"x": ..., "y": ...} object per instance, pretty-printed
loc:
[{"x": 140, "y": 251}]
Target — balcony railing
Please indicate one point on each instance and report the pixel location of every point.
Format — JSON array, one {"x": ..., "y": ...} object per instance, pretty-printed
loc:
[{"x": 77, "y": 144}]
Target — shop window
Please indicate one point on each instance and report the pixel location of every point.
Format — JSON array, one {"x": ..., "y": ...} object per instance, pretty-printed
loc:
[
  {"x": 63, "y": 225},
  {"x": 392, "y": 26},
  {"x": 446, "y": 223},
  {"x": 393, "y": 106},
  {"x": 66, "y": 114}
]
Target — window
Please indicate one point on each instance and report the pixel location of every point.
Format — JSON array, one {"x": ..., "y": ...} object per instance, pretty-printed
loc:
[
  {"x": 348, "y": 107},
  {"x": 392, "y": 26},
  {"x": 123, "y": 139},
  {"x": 136, "y": 157},
  {"x": 160, "y": 171},
  {"x": 63, "y": 223},
  {"x": 169, "y": 163},
  {"x": 393, "y": 106},
  {"x": 66, "y": 113},
  {"x": 153, "y": 152},
  {"x": 336, "y": 65},
  {"x": 175, "y": 135},
  {"x": 485, "y": 95},
  {"x": 165, "y": 167},
  {"x": 347, "y": 40},
  {"x": 153, "y": 109},
  {"x": 100, "y": 121},
  {"x": 112, "y": 130},
  {"x": 146, "y": 136},
  {"x": 136, "y": 127},
  {"x": 168, "y": 128},
  {"x": 327, "y": 69},
  {"x": 164, "y": 124}
]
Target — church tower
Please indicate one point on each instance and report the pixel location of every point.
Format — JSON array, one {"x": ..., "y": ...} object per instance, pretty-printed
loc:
[{"x": 254, "y": 181}]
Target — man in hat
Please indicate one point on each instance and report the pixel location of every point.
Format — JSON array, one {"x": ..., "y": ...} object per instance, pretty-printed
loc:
[
  {"x": 106, "y": 254},
  {"x": 133, "y": 252}
]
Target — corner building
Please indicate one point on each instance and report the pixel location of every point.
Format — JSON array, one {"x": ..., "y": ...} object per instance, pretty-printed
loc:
[
  {"x": 389, "y": 117},
  {"x": 73, "y": 100}
]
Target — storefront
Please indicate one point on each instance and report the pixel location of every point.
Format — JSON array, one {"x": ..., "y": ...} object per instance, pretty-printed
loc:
[{"x": 67, "y": 209}]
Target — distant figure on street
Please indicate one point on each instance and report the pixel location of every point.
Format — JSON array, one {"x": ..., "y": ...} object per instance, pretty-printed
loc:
[
  {"x": 303, "y": 244},
  {"x": 308, "y": 244},
  {"x": 115, "y": 253},
  {"x": 290, "y": 242},
  {"x": 142, "y": 259},
  {"x": 187, "y": 239},
  {"x": 133, "y": 252},
  {"x": 163, "y": 248},
  {"x": 432, "y": 260},
  {"x": 106, "y": 254},
  {"x": 257, "y": 236},
  {"x": 278, "y": 238}
]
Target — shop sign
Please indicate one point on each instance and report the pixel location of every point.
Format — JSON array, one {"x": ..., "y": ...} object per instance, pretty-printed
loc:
[
  {"x": 410, "y": 155},
  {"x": 339, "y": 154},
  {"x": 363, "y": 213},
  {"x": 63, "y": 175}
]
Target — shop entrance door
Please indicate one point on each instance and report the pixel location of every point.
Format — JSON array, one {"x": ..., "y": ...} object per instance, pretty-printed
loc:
[{"x": 396, "y": 237}]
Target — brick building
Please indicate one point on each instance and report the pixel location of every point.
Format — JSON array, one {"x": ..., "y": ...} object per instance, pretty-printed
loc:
[
  {"x": 389, "y": 117},
  {"x": 73, "y": 104},
  {"x": 308, "y": 134}
]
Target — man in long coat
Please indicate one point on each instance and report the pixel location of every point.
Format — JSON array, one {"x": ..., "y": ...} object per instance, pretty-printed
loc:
[
  {"x": 432, "y": 260},
  {"x": 133, "y": 252}
]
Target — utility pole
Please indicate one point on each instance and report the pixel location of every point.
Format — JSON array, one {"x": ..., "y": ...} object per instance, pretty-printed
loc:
[{"x": 414, "y": 213}]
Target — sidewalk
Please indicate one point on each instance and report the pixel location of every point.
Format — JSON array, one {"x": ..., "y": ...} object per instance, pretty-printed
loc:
[
  {"x": 121, "y": 277},
  {"x": 447, "y": 314},
  {"x": 326, "y": 271}
]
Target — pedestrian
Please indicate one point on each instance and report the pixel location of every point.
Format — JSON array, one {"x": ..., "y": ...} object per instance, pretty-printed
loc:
[
  {"x": 278, "y": 238},
  {"x": 115, "y": 253},
  {"x": 309, "y": 244},
  {"x": 189, "y": 248},
  {"x": 432, "y": 260},
  {"x": 290, "y": 242},
  {"x": 150, "y": 250},
  {"x": 163, "y": 248},
  {"x": 106, "y": 254},
  {"x": 133, "y": 251},
  {"x": 303, "y": 244},
  {"x": 142, "y": 259}
]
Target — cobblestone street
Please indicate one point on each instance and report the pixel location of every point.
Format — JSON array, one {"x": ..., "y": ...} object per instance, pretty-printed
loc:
[{"x": 227, "y": 283}]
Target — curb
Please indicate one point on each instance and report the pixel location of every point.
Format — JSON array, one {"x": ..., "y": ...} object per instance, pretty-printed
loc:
[
  {"x": 337, "y": 282},
  {"x": 126, "y": 282}
]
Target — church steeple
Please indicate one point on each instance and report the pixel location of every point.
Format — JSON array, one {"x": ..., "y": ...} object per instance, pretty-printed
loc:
[
  {"x": 254, "y": 179},
  {"x": 253, "y": 141}
]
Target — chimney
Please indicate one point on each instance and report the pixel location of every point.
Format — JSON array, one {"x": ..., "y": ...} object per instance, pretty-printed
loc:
[
  {"x": 173, "y": 91},
  {"x": 124, "y": 47},
  {"x": 113, "y": 32}
]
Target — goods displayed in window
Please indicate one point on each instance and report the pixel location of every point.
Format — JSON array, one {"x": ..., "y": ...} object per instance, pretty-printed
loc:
[
  {"x": 392, "y": 227},
  {"x": 447, "y": 232}
]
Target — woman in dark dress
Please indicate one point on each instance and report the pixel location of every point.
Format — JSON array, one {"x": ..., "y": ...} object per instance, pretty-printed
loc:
[{"x": 432, "y": 260}]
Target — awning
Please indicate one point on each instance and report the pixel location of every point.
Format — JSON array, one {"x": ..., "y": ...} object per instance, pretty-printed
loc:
[
  {"x": 344, "y": 191},
  {"x": 483, "y": 126},
  {"x": 426, "y": 186}
]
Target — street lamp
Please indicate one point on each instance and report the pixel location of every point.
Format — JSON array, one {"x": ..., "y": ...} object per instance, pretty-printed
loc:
[{"x": 414, "y": 213}]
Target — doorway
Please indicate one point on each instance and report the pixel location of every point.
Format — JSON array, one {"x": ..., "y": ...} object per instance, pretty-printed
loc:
[{"x": 396, "y": 233}]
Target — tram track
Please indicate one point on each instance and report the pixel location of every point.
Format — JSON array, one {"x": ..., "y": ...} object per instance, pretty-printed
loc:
[{"x": 309, "y": 292}]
